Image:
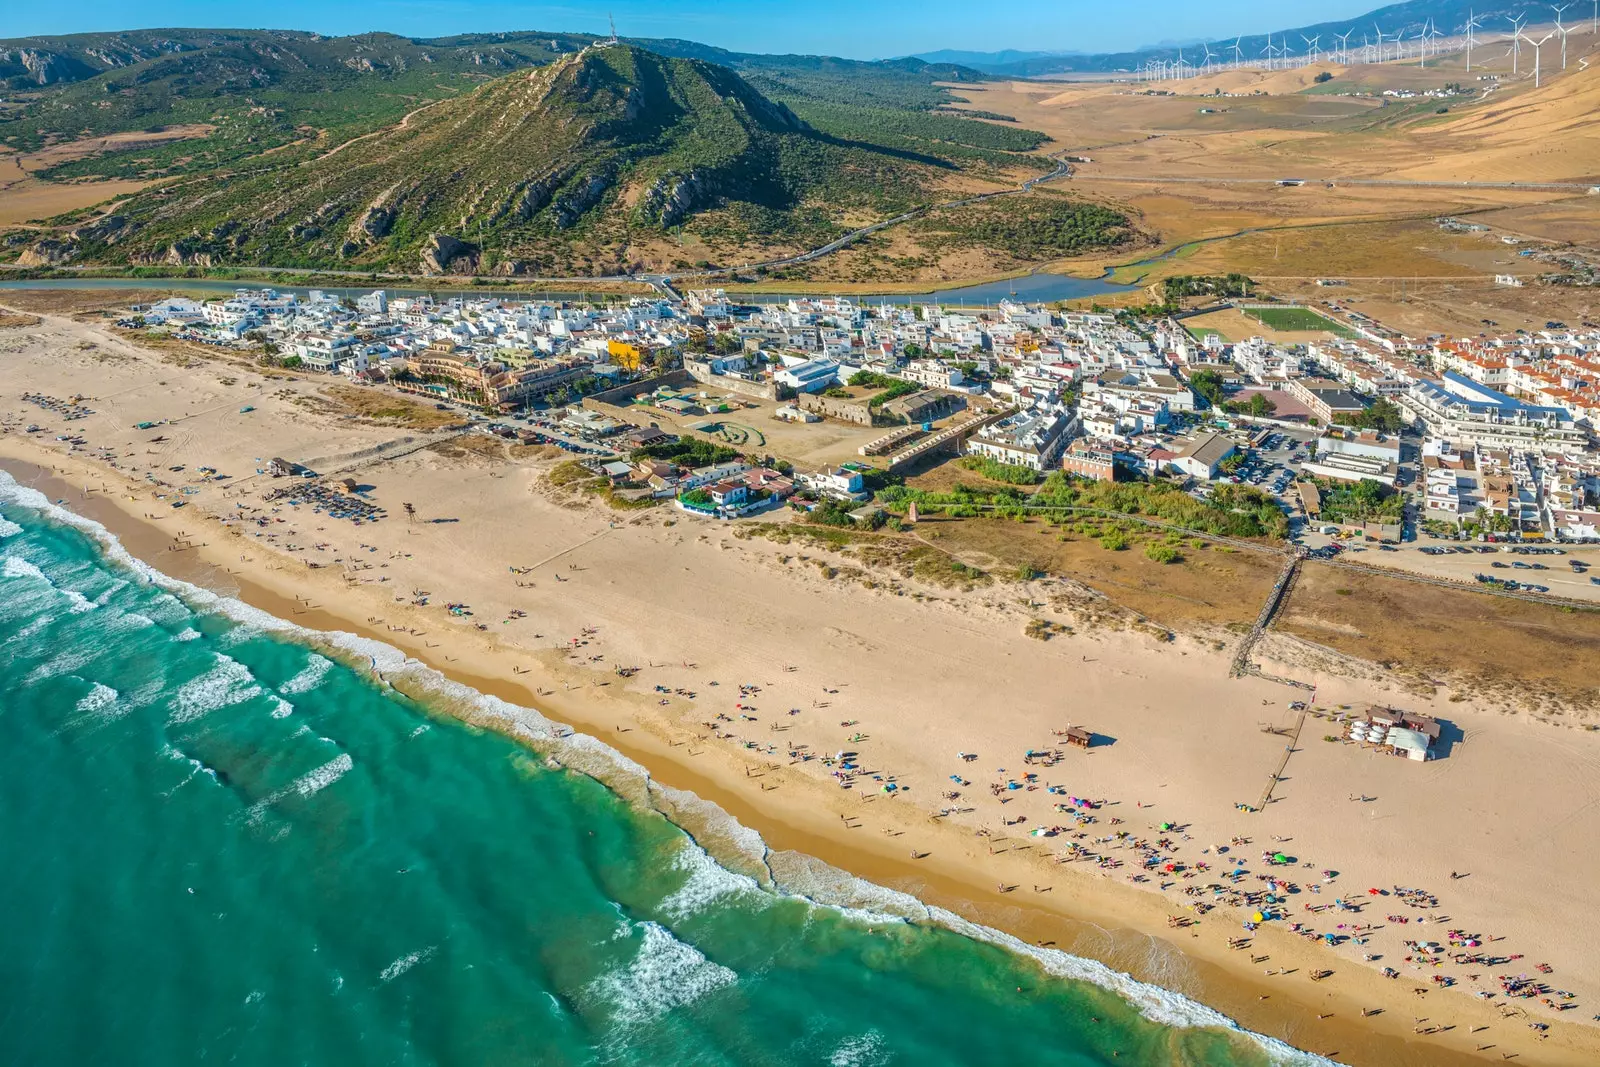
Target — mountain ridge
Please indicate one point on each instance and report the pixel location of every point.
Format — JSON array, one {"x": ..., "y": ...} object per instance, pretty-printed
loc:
[{"x": 551, "y": 169}]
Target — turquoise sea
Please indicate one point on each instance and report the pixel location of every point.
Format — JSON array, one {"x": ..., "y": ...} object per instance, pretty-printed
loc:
[{"x": 228, "y": 842}]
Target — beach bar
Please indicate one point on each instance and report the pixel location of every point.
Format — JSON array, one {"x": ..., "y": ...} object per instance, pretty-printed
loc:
[{"x": 1077, "y": 737}]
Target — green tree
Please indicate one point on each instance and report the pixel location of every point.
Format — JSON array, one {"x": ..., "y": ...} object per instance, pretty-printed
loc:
[{"x": 1208, "y": 384}]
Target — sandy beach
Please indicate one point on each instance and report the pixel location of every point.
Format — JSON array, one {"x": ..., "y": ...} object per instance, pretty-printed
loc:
[{"x": 787, "y": 665}]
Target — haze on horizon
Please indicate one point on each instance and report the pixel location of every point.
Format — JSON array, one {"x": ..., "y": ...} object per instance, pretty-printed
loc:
[{"x": 874, "y": 30}]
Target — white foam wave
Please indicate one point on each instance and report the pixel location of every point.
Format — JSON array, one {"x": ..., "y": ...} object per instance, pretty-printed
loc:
[
  {"x": 309, "y": 677},
  {"x": 186, "y": 635},
  {"x": 100, "y": 701},
  {"x": 128, "y": 620},
  {"x": 406, "y": 962},
  {"x": 17, "y": 567},
  {"x": 593, "y": 756},
  {"x": 39, "y": 622},
  {"x": 79, "y": 602},
  {"x": 65, "y": 662},
  {"x": 281, "y": 708},
  {"x": 8, "y": 528},
  {"x": 664, "y": 974},
  {"x": 862, "y": 1050},
  {"x": 316, "y": 781},
  {"x": 229, "y": 682},
  {"x": 707, "y": 882}
]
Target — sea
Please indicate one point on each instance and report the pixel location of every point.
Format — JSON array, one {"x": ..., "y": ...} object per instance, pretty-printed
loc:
[{"x": 229, "y": 840}]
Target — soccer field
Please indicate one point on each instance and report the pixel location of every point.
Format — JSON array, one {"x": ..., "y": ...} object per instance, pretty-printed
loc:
[{"x": 1295, "y": 319}]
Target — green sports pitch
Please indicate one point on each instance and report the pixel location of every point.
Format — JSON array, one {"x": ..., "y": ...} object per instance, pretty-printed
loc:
[{"x": 1296, "y": 319}]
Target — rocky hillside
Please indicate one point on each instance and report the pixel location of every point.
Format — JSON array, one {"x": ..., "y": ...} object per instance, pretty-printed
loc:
[{"x": 547, "y": 171}]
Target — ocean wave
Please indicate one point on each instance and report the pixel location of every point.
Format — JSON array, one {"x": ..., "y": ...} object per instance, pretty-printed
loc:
[
  {"x": 281, "y": 708},
  {"x": 128, "y": 620},
  {"x": 314, "y": 782},
  {"x": 405, "y": 963},
  {"x": 8, "y": 528},
  {"x": 18, "y": 567},
  {"x": 65, "y": 662},
  {"x": 664, "y": 974},
  {"x": 224, "y": 685},
  {"x": 862, "y": 1050},
  {"x": 79, "y": 602},
  {"x": 855, "y": 897},
  {"x": 100, "y": 701},
  {"x": 707, "y": 882},
  {"x": 309, "y": 678}
]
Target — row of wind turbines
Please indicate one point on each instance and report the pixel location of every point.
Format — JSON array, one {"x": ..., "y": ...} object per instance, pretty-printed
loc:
[{"x": 1380, "y": 47}]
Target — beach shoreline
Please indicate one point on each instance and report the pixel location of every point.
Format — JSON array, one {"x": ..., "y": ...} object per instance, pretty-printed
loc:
[
  {"x": 1089, "y": 914},
  {"x": 1073, "y": 909}
]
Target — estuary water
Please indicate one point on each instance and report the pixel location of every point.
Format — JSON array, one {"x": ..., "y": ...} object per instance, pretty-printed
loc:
[
  {"x": 231, "y": 841},
  {"x": 1029, "y": 288}
]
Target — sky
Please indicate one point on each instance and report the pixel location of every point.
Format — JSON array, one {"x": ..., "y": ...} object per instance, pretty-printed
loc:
[{"x": 858, "y": 29}]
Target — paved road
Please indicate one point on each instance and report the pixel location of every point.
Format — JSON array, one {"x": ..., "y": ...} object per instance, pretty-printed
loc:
[{"x": 1151, "y": 179}]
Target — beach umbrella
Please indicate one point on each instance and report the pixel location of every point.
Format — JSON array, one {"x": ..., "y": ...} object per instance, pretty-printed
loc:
[
  {"x": 1258, "y": 917},
  {"x": 1279, "y": 857}
]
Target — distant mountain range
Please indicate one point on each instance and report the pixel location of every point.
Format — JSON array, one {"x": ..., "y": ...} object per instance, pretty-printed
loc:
[
  {"x": 38, "y": 62},
  {"x": 1449, "y": 16}
]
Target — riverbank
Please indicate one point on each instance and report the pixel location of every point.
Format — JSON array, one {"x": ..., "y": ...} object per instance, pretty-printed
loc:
[{"x": 918, "y": 678}]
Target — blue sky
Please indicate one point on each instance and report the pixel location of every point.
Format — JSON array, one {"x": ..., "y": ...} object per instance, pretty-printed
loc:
[{"x": 866, "y": 29}]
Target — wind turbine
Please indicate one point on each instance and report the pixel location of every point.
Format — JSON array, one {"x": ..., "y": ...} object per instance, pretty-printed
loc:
[
  {"x": 1473, "y": 24},
  {"x": 1536, "y": 45},
  {"x": 1344, "y": 45},
  {"x": 1209, "y": 57},
  {"x": 1312, "y": 45},
  {"x": 1516, "y": 41},
  {"x": 1379, "y": 32},
  {"x": 1562, "y": 30},
  {"x": 1238, "y": 53}
]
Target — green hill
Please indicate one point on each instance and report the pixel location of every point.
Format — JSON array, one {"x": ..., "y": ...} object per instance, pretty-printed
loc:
[{"x": 559, "y": 169}]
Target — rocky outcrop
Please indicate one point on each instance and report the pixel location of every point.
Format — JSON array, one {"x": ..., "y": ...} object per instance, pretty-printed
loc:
[
  {"x": 377, "y": 222},
  {"x": 188, "y": 252},
  {"x": 49, "y": 252},
  {"x": 444, "y": 254},
  {"x": 535, "y": 196},
  {"x": 586, "y": 193},
  {"x": 106, "y": 230},
  {"x": 674, "y": 197}
]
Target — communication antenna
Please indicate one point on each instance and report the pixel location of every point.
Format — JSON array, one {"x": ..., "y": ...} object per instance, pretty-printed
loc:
[{"x": 613, "y": 22}]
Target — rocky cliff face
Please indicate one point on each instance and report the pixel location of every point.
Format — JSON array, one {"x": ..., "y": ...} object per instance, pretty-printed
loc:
[{"x": 444, "y": 254}]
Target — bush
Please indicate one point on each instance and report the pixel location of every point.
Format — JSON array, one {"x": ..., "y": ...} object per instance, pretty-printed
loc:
[
  {"x": 1162, "y": 553},
  {"x": 689, "y": 451},
  {"x": 994, "y": 470},
  {"x": 1115, "y": 541}
]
